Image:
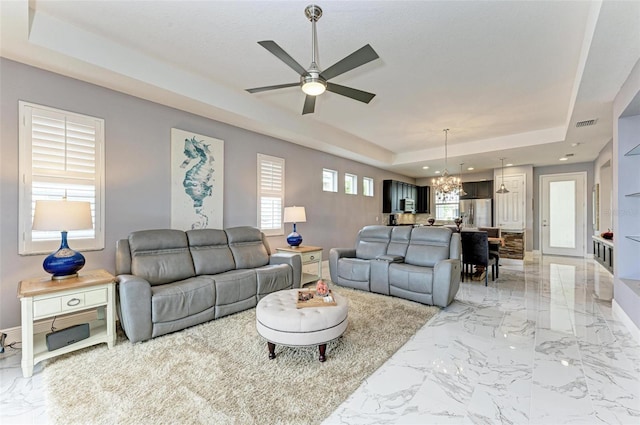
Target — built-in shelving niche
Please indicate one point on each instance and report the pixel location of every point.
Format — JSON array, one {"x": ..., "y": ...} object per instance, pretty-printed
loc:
[{"x": 634, "y": 151}]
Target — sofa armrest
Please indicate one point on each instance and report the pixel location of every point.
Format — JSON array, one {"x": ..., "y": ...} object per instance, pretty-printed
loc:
[
  {"x": 446, "y": 281},
  {"x": 134, "y": 307},
  {"x": 293, "y": 260},
  {"x": 334, "y": 255}
]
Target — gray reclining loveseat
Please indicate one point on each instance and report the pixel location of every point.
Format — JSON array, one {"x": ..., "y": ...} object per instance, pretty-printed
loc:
[
  {"x": 420, "y": 264},
  {"x": 169, "y": 279}
]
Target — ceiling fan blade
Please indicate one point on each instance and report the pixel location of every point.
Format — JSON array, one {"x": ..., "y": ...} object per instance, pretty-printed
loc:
[
  {"x": 356, "y": 94},
  {"x": 309, "y": 105},
  {"x": 273, "y": 47},
  {"x": 279, "y": 86},
  {"x": 359, "y": 57}
]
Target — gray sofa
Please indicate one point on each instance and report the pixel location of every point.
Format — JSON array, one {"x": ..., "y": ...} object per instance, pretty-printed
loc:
[
  {"x": 420, "y": 264},
  {"x": 169, "y": 279}
]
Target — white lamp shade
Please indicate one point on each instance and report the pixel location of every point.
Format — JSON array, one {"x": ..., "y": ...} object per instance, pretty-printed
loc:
[
  {"x": 62, "y": 215},
  {"x": 294, "y": 215}
]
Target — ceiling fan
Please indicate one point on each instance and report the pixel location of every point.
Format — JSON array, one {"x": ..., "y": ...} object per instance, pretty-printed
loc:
[{"x": 313, "y": 81}]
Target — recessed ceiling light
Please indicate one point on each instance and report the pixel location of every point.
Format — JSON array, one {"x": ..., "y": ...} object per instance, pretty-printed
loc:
[
  {"x": 470, "y": 168},
  {"x": 508, "y": 165},
  {"x": 437, "y": 172},
  {"x": 426, "y": 167},
  {"x": 564, "y": 158}
]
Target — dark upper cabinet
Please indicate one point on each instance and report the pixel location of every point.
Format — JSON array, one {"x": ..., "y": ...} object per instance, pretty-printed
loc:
[
  {"x": 387, "y": 196},
  {"x": 422, "y": 199},
  {"x": 484, "y": 190},
  {"x": 393, "y": 191},
  {"x": 478, "y": 190},
  {"x": 471, "y": 188}
]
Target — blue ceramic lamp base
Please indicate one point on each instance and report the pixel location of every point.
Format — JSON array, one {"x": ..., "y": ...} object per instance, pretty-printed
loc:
[
  {"x": 294, "y": 238},
  {"x": 65, "y": 262}
]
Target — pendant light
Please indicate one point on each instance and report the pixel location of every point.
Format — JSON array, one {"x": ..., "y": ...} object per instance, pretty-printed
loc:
[
  {"x": 461, "y": 191},
  {"x": 502, "y": 189},
  {"x": 445, "y": 184}
]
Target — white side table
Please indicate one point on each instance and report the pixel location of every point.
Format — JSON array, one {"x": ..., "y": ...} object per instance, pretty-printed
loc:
[
  {"x": 310, "y": 255},
  {"x": 42, "y": 298}
]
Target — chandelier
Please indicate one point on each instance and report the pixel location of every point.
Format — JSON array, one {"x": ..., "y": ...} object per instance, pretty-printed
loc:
[{"x": 446, "y": 184}]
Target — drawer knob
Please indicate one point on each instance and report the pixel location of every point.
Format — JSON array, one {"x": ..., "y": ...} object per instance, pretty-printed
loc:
[
  {"x": 312, "y": 257},
  {"x": 73, "y": 302}
]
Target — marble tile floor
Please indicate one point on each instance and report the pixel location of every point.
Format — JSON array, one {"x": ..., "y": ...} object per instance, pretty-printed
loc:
[{"x": 540, "y": 345}]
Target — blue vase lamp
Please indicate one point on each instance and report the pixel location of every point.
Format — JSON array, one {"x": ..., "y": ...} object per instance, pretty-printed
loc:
[
  {"x": 66, "y": 215},
  {"x": 294, "y": 215}
]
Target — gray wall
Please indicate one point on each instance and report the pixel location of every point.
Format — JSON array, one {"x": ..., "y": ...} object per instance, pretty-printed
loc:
[
  {"x": 559, "y": 169},
  {"x": 138, "y": 174}
]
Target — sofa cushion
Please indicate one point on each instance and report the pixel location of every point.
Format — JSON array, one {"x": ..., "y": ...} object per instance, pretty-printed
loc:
[
  {"x": 234, "y": 286},
  {"x": 372, "y": 241},
  {"x": 354, "y": 269},
  {"x": 247, "y": 247},
  {"x": 411, "y": 278},
  {"x": 274, "y": 278},
  {"x": 400, "y": 236},
  {"x": 428, "y": 246},
  {"x": 160, "y": 256},
  {"x": 210, "y": 251},
  {"x": 181, "y": 299}
]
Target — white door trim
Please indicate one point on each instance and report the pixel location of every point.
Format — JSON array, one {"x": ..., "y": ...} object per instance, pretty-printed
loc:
[{"x": 583, "y": 174}]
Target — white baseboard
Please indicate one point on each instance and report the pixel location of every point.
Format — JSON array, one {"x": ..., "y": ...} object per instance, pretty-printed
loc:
[
  {"x": 620, "y": 314},
  {"x": 15, "y": 334}
]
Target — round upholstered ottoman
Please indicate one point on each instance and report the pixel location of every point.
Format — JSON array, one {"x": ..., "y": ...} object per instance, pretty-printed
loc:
[{"x": 280, "y": 322}]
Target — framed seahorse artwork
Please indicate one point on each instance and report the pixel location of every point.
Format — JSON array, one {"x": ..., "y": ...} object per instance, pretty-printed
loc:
[{"x": 197, "y": 177}]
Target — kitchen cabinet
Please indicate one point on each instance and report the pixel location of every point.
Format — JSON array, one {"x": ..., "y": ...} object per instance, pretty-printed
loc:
[
  {"x": 484, "y": 189},
  {"x": 423, "y": 199},
  {"x": 393, "y": 191},
  {"x": 478, "y": 190}
]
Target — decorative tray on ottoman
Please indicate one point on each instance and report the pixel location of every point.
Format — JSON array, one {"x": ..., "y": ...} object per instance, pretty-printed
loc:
[{"x": 308, "y": 298}]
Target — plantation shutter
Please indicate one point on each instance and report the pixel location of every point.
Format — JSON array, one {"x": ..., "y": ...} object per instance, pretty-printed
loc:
[
  {"x": 61, "y": 156},
  {"x": 270, "y": 194}
]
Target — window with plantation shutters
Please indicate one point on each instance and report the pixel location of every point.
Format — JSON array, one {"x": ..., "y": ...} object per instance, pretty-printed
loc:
[
  {"x": 270, "y": 194},
  {"x": 61, "y": 155}
]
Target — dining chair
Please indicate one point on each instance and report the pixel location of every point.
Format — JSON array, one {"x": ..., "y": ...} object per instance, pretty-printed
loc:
[
  {"x": 494, "y": 248},
  {"x": 475, "y": 252}
]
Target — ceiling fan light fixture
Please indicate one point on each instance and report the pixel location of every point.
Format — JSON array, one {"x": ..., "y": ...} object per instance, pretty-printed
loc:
[{"x": 313, "y": 85}]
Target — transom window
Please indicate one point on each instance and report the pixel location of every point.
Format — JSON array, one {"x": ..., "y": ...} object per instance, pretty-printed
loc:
[
  {"x": 367, "y": 186},
  {"x": 329, "y": 180},
  {"x": 350, "y": 184}
]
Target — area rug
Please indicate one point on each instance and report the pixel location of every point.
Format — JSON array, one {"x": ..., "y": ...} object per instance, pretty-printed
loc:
[{"x": 219, "y": 372}]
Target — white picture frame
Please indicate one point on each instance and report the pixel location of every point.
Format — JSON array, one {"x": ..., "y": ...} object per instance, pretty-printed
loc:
[{"x": 197, "y": 181}]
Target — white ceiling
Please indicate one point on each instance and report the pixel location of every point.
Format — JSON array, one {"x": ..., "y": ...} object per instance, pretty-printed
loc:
[{"x": 508, "y": 78}]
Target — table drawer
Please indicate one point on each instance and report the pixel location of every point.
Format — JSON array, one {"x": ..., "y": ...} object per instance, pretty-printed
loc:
[
  {"x": 311, "y": 256},
  {"x": 68, "y": 303}
]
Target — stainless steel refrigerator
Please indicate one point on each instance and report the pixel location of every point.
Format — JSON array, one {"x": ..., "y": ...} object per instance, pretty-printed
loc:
[{"x": 476, "y": 212}]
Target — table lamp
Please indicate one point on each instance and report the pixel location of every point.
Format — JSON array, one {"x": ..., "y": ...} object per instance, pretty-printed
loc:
[
  {"x": 294, "y": 215},
  {"x": 63, "y": 215}
]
